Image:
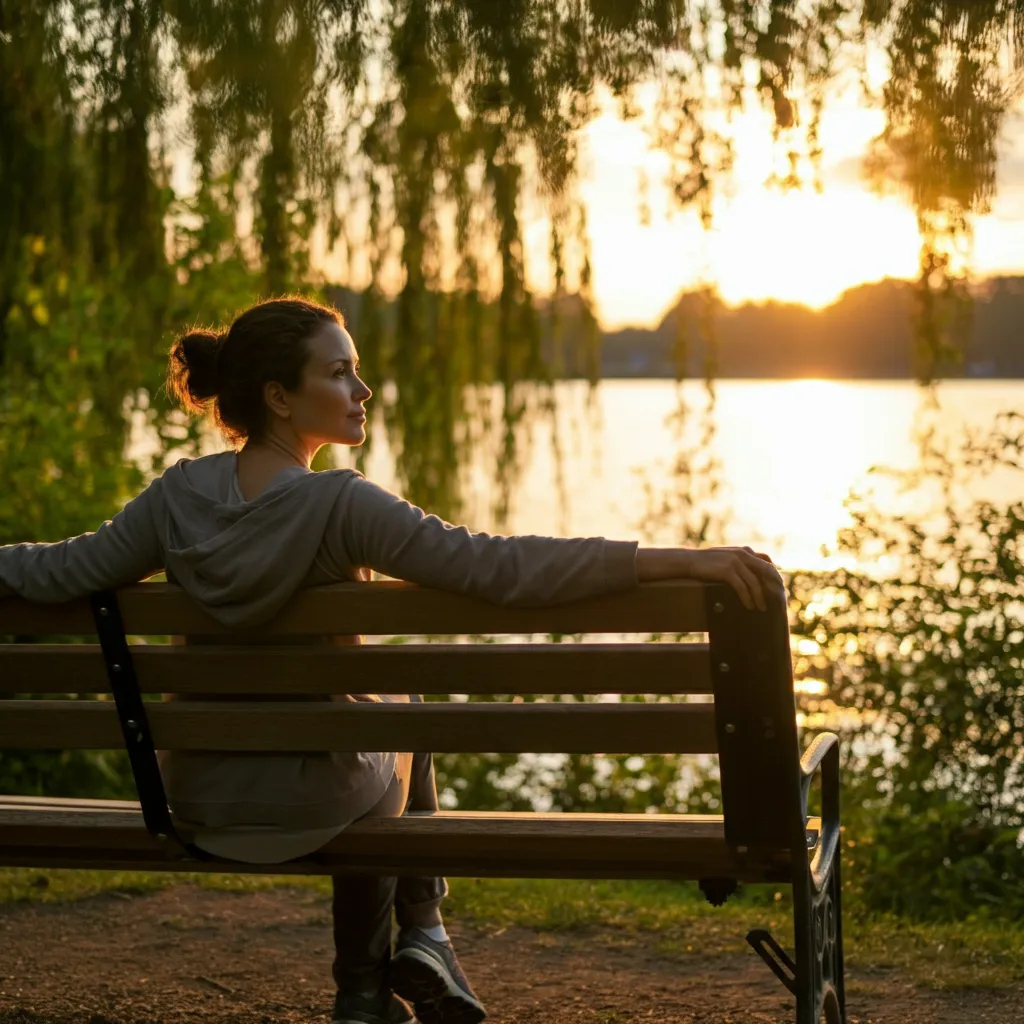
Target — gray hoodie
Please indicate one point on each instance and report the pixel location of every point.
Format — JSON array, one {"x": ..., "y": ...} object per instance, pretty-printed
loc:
[{"x": 242, "y": 561}]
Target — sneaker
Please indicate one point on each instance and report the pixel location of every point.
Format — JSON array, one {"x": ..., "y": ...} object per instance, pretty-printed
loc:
[
  {"x": 428, "y": 974},
  {"x": 383, "y": 1008}
]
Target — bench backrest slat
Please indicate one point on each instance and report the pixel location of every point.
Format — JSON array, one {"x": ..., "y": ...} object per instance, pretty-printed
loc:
[
  {"x": 383, "y": 608},
  {"x": 752, "y": 668},
  {"x": 381, "y": 668},
  {"x": 308, "y": 726}
]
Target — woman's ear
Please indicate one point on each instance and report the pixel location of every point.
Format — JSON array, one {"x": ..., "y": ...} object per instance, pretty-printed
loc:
[{"x": 277, "y": 399}]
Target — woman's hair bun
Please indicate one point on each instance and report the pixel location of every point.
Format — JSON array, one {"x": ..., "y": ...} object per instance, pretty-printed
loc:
[{"x": 192, "y": 374}]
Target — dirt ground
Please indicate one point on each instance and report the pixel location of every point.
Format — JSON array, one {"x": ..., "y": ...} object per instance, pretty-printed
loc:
[{"x": 191, "y": 956}]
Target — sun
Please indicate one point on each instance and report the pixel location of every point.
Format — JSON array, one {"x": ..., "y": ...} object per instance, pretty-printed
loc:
[{"x": 809, "y": 247}]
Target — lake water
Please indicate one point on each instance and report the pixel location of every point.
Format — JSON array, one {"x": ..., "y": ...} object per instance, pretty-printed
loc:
[{"x": 789, "y": 453}]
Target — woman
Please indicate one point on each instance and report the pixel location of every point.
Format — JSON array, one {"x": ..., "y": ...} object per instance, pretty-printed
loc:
[{"x": 244, "y": 529}]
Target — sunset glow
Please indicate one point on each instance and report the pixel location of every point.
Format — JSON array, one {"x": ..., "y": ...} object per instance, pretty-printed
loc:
[
  {"x": 797, "y": 246},
  {"x": 765, "y": 244}
]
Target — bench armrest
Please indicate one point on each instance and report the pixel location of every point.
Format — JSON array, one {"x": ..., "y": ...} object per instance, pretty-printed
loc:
[{"x": 823, "y": 755}]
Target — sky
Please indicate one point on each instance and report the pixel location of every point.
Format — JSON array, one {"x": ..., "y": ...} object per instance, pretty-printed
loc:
[{"x": 763, "y": 244}]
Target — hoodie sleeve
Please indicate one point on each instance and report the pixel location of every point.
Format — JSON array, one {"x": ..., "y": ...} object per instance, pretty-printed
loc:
[
  {"x": 374, "y": 528},
  {"x": 123, "y": 550}
]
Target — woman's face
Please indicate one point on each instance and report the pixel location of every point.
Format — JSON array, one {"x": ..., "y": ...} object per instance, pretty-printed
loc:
[{"x": 328, "y": 406}]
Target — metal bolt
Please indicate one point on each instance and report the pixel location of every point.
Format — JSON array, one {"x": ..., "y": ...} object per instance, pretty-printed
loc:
[
  {"x": 132, "y": 724},
  {"x": 719, "y": 607},
  {"x": 115, "y": 667},
  {"x": 723, "y": 667},
  {"x": 104, "y": 611},
  {"x": 729, "y": 727}
]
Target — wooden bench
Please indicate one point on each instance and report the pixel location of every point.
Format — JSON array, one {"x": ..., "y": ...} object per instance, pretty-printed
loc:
[{"x": 765, "y": 834}]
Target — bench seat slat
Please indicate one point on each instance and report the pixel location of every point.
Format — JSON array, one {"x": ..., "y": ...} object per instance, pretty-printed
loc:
[
  {"x": 68, "y": 803},
  {"x": 690, "y": 864},
  {"x": 431, "y": 668},
  {"x": 382, "y": 607},
  {"x": 457, "y": 843},
  {"x": 440, "y": 727}
]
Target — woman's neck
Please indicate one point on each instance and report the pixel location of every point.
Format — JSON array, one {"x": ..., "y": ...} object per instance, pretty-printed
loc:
[
  {"x": 287, "y": 449},
  {"x": 258, "y": 463}
]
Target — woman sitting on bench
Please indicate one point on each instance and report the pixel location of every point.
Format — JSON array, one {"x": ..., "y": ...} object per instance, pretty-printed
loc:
[{"x": 241, "y": 531}]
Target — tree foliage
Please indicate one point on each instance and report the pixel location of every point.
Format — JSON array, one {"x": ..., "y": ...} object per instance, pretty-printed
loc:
[{"x": 925, "y": 643}]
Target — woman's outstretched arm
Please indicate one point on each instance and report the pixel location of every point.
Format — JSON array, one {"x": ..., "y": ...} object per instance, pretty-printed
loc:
[
  {"x": 123, "y": 550},
  {"x": 374, "y": 528}
]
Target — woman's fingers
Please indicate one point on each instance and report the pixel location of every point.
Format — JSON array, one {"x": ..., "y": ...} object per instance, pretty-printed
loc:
[
  {"x": 762, "y": 564},
  {"x": 759, "y": 554},
  {"x": 739, "y": 584},
  {"x": 761, "y": 576},
  {"x": 757, "y": 588},
  {"x": 748, "y": 586}
]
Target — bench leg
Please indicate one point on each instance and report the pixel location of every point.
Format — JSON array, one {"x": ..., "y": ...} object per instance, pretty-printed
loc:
[
  {"x": 818, "y": 931},
  {"x": 814, "y": 974}
]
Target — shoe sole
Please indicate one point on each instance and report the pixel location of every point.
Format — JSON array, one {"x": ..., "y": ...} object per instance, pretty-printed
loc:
[
  {"x": 353, "y": 1020},
  {"x": 435, "y": 996}
]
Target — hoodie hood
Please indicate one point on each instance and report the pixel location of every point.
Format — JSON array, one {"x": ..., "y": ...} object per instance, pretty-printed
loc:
[{"x": 243, "y": 560}]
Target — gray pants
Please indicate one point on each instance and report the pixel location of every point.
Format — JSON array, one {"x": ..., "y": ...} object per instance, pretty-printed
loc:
[{"x": 363, "y": 903}]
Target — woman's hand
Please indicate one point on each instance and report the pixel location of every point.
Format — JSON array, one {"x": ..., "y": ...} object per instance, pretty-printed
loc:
[{"x": 750, "y": 573}]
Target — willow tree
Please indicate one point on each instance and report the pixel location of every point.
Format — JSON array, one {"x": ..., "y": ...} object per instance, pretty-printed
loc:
[
  {"x": 84, "y": 277},
  {"x": 259, "y": 77},
  {"x": 479, "y": 94},
  {"x": 955, "y": 73},
  {"x": 415, "y": 133}
]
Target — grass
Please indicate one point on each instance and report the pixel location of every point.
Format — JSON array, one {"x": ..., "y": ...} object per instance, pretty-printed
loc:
[{"x": 671, "y": 918}]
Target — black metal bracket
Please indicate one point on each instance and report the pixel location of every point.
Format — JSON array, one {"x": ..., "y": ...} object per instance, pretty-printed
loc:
[
  {"x": 138, "y": 741},
  {"x": 717, "y": 890},
  {"x": 781, "y": 964}
]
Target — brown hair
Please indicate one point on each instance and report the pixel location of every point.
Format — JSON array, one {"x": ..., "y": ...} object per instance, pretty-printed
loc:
[{"x": 230, "y": 368}]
